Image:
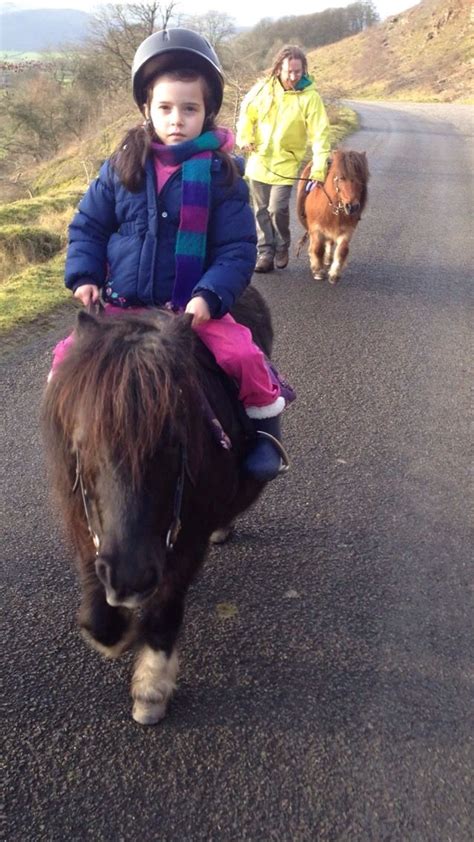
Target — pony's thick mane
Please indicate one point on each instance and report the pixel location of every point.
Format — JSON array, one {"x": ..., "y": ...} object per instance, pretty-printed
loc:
[
  {"x": 352, "y": 165},
  {"x": 127, "y": 383}
]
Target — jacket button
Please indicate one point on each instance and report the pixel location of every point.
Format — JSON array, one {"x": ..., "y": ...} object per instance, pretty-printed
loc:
[{"x": 164, "y": 214}]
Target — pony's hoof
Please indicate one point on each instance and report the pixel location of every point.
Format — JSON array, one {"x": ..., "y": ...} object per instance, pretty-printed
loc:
[
  {"x": 220, "y": 536},
  {"x": 334, "y": 279},
  {"x": 319, "y": 276},
  {"x": 148, "y": 713}
]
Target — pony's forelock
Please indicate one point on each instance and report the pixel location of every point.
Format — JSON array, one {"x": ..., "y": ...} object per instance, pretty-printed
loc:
[
  {"x": 126, "y": 385},
  {"x": 352, "y": 165}
]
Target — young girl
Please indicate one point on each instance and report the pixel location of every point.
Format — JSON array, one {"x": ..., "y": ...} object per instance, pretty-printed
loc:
[{"x": 167, "y": 223}]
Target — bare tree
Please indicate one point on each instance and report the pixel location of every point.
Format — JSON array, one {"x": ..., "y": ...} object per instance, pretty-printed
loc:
[
  {"x": 217, "y": 27},
  {"x": 118, "y": 31}
]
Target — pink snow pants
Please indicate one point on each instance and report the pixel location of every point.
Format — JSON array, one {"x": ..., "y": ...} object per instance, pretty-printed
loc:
[{"x": 234, "y": 350}]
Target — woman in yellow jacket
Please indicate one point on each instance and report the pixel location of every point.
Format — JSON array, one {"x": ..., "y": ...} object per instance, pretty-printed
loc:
[{"x": 279, "y": 118}]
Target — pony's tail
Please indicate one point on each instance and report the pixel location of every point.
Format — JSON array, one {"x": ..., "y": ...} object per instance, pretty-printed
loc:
[{"x": 301, "y": 242}]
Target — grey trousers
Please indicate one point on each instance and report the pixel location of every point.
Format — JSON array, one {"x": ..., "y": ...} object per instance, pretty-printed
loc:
[{"x": 271, "y": 203}]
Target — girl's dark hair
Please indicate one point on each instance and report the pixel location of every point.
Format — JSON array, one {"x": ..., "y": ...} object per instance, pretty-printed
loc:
[
  {"x": 130, "y": 156},
  {"x": 289, "y": 51}
]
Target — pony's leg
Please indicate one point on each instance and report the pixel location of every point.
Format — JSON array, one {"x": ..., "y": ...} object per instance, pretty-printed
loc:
[
  {"x": 111, "y": 631},
  {"x": 153, "y": 684},
  {"x": 340, "y": 256},
  {"x": 316, "y": 254},
  {"x": 156, "y": 666},
  {"x": 328, "y": 252}
]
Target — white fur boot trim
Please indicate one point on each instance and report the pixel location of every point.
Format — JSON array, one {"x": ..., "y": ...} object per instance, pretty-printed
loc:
[{"x": 269, "y": 411}]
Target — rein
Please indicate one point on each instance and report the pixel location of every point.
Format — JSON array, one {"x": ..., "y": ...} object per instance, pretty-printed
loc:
[{"x": 175, "y": 525}]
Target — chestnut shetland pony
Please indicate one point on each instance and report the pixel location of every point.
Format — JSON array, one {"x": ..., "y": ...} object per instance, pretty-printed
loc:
[
  {"x": 142, "y": 480},
  {"x": 330, "y": 212}
]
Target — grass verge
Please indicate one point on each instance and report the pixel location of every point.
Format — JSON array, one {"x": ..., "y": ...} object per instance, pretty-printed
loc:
[{"x": 36, "y": 291}]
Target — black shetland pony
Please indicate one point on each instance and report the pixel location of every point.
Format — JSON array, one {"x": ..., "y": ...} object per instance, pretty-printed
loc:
[{"x": 141, "y": 479}]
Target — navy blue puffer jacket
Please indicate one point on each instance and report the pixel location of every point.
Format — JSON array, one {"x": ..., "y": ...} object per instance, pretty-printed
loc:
[{"x": 125, "y": 242}]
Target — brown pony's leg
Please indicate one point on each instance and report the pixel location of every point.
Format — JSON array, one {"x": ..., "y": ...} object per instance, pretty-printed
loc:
[
  {"x": 339, "y": 258},
  {"x": 316, "y": 254},
  {"x": 328, "y": 252},
  {"x": 109, "y": 630}
]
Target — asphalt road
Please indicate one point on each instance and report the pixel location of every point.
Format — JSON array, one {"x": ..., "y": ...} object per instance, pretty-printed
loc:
[{"x": 325, "y": 690}]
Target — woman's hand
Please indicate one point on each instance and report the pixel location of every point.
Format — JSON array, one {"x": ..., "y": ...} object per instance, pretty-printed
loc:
[
  {"x": 199, "y": 310},
  {"x": 87, "y": 294}
]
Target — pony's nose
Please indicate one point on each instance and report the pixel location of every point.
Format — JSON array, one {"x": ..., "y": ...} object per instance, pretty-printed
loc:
[
  {"x": 352, "y": 207},
  {"x": 123, "y": 590}
]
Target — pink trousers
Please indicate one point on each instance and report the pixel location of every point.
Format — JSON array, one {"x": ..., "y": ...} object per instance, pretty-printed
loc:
[{"x": 235, "y": 352}]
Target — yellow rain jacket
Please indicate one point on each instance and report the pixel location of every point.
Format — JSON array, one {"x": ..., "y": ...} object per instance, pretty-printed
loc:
[{"x": 282, "y": 125}]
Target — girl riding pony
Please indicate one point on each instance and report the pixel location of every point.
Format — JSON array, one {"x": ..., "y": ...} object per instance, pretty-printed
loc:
[{"x": 167, "y": 223}]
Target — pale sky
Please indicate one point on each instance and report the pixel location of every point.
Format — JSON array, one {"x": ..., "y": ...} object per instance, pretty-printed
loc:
[{"x": 245, "y": 12}]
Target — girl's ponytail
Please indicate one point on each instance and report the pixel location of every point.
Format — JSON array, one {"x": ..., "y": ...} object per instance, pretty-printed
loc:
[{"x": 130, "y": 157}]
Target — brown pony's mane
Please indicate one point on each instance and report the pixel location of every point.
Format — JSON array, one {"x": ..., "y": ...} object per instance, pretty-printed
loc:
[
  {"x": 353, "y": 166},
  {"x": 127, "y": 384}
]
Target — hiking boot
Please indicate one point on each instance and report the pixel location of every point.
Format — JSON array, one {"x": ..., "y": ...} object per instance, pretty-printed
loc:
[
  {"x": 267, "y": 458},
  {"x": 281, "y": 259},
  {"x": 264, "y": 263}
]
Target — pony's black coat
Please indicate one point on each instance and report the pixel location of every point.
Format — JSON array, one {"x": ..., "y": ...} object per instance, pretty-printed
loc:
[{"x": 127, "y": 400}]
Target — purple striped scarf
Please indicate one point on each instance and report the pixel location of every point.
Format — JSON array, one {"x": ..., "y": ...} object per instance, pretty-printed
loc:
[{"x": 195, "y": 156}]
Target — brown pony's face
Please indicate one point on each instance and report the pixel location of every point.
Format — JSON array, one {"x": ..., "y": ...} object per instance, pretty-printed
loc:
[{"x": 348, "y": 176}]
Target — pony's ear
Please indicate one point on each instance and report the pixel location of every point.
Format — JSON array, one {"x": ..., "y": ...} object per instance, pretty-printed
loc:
[{"x": 86, "y": 324}]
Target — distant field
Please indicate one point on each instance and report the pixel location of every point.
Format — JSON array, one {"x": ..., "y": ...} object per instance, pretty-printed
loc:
[{"x": 14, "y": 55}]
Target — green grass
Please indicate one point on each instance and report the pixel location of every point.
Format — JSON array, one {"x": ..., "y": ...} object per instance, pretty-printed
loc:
[
  {"x": 36, "y": 243},
  {"x": 346, "y": 123},
  {"x": 36, "y": 291},
  {"x": 26, "y": 211}
]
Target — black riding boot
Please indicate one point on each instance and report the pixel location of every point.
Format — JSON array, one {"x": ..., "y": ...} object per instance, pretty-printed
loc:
[{"x": 266, "y": 460}]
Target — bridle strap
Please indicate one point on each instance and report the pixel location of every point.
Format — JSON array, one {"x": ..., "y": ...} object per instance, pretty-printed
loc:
[
  {"x": 78, "y": 481},
  {"x": 175, "y": 526},
  {"x": 336, "y": 209}
]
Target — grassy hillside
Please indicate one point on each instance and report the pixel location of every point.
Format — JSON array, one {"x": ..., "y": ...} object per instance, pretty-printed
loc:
[{"x": 423, "y": 54}]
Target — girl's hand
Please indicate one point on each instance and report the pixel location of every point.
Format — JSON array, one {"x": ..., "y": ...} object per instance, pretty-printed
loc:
[
  {"x": 87, "y": 294},
  {"x": 249, "y": 147},
  {"x": 199, "y": 309}
]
